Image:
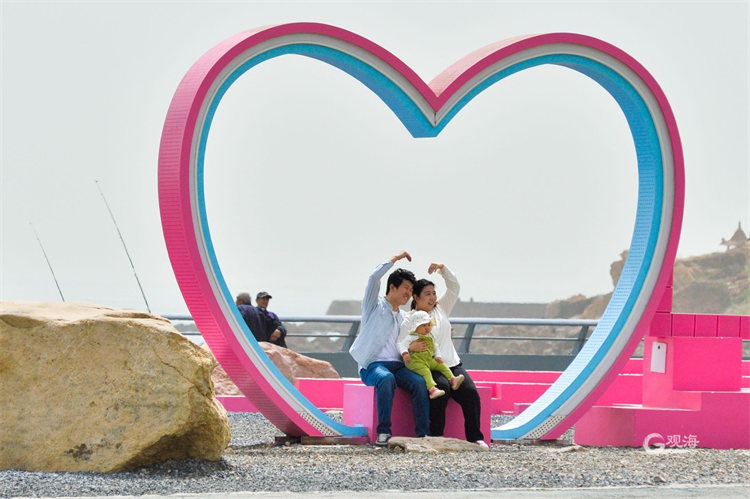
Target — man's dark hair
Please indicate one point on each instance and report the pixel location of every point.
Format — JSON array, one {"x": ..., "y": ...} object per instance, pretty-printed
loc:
[
  {"x": 398, "y": 276},
  {"x": 418, "y": 287}
]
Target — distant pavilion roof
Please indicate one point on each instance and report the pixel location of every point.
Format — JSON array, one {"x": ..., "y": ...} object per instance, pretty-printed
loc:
[{"x": 738, "y": 239}]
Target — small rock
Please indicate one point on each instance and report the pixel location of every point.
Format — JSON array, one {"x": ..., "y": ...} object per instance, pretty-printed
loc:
[
  {"x": 433, "y": 445},
  {"x": 570, "y": 448}
]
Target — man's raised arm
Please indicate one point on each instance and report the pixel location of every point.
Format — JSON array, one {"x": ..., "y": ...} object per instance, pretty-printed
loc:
[{"x": 370, "y": 299}]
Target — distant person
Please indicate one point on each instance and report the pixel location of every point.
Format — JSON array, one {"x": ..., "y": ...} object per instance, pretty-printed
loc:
[
  {"x": 425, "y": 300},
  {"x": 275, "y": 330},
  {"x": 375, "y": 350},
  {"x": 252, "y": 316},
  {"x": 418, "y": 326}
]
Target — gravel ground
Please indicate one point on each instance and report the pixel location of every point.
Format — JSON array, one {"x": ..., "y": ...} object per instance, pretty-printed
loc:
[{"x": 253, "y": 463}]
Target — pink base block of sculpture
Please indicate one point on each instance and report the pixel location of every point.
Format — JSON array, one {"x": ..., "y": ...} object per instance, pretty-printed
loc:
[
  {"x": 626, "y": 388},
  {"x": 514, "y": 376},
  {"x": 692, "y": 391},
  {"x": 360, "y": 410},
  {"x": 687, "y": 366},
  {"x": 237, "y": 404},
  {"x": 521, "y": 387},
  {"x": 722, "y": 422},
  {"x": 505, "y": 395},
  {"x": 325, "y": 393}
]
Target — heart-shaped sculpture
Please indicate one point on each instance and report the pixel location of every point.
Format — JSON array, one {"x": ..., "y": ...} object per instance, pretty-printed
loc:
[{"x": 424, "y": 109}]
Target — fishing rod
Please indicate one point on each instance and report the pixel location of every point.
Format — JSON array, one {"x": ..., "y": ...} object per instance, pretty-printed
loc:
[
  {"x": 123, "y": 245},
  {"x": 48, "y": 263}
]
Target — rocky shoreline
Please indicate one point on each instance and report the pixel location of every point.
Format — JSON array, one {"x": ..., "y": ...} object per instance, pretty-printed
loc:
[{"x": 253, "y": 463}]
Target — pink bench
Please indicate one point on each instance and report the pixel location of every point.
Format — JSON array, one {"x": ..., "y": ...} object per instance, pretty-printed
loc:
[
  {"x": 514, "y": 376},
  {"x": 626, "y": 388},
  {"x": 506, "y": 394},
  {"x": 509, "y": 389},
  {"x": 237, "y": 403},
  {"x": 325, "y": 393},
  {"x": 692, "y": 386},
  {"x": 720, "y": 421},
  {"x": 360, "y": 410}
]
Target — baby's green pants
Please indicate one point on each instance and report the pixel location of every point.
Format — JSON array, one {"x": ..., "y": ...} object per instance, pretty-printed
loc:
[{"x": 423, "y": 366}]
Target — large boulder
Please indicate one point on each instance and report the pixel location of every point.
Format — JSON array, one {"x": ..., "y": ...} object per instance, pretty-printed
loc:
[
  {"x": 223, "y": 385},
  {"x": 294, "y": 365},
  {"x": 91, "y": 388},
  {"x": 291, "y": 364}
]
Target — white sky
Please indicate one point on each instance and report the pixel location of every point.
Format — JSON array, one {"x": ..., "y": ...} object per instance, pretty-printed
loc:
[{"x": 529, "y": 194}]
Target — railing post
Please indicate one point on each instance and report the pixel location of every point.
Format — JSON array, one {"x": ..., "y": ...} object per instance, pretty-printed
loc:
[
  {"x": 582, "y": 334},
  {"x": 350, "y": 338},
  {"x": 466, "y": 343}
]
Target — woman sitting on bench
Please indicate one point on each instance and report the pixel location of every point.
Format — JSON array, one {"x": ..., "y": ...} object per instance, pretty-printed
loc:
[{"x": 424, "y": 298}]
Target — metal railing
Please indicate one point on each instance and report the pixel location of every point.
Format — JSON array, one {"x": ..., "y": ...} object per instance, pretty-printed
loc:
[{"x": 471, "y": 324}]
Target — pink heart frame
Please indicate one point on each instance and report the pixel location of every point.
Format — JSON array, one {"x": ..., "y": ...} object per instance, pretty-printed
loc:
[{"x": 424, "y": 109}]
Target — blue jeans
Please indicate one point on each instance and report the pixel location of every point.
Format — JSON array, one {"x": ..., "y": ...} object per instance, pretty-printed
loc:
[{"x": 385, "y": 376}]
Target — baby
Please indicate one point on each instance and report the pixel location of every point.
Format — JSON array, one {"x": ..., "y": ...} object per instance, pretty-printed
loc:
[{"x": 420, "y": 324}]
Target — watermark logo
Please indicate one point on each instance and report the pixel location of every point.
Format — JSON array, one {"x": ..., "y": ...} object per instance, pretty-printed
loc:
[{"x": 654, "y": 442}]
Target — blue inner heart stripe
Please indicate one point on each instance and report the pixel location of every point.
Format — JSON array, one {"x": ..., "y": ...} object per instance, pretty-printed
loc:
[{"x": 623, "y": 312}]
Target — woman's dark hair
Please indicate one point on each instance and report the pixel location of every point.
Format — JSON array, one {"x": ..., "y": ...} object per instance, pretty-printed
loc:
[
  {"x": 398, "y": 276},
  {"x": 418, "y": 287}
]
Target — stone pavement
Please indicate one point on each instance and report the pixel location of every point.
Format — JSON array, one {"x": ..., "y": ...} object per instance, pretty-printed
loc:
[{"x": 721, "y": 491}]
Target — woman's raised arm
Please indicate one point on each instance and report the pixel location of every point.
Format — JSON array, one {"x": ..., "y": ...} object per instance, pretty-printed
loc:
[{"x": 449, "y": 299}]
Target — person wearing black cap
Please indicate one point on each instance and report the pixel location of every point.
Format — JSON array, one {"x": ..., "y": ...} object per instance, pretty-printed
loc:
[
  {"x": 252, "y": 315},
  {"x": 275, "y": 330}
]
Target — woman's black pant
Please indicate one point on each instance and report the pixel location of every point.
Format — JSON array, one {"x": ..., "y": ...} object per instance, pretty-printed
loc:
[{"x": 466, "y": 396}]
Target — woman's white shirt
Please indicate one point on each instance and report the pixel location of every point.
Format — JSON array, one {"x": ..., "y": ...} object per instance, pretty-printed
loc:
[{"x": 442, "y": 329}]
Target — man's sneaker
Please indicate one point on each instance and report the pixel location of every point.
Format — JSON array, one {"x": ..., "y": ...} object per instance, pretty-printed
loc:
[
  {"x": 482, "y": 444},
  {"x": 436, "y": 392},
  {"x": 456, "y": 381},
  {"x": 382, "y": 440}
]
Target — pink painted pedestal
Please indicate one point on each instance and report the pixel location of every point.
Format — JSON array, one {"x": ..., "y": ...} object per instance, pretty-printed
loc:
[
  {"x": 360, "y": 410},
  {"x": 693, "y": 390},
  {"x": 506, "y": 394},
  {"x": 703, "y": 391},
  {"x": 237, "y": 404},
  {"x": 325, "y": 393},
  {"x": 509, "y": 389},
  {"x": 721, "y": 422}
]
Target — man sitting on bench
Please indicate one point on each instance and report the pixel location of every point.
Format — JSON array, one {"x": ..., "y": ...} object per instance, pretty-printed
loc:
[{"x": 375, "y": 350}]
